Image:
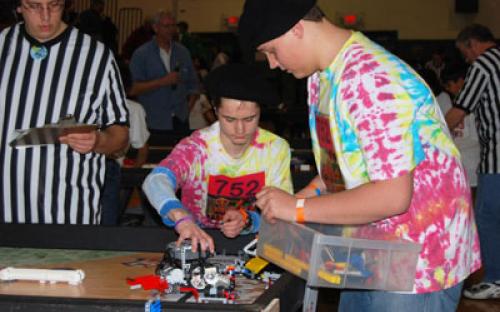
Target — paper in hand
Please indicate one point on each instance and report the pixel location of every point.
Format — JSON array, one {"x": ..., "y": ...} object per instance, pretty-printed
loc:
[{"x": 50, "y": 133}]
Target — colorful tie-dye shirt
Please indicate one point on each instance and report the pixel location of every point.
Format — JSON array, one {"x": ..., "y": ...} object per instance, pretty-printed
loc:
[
  {"x": 212, "y": 181},
  {"x": 381, "y": 121}
]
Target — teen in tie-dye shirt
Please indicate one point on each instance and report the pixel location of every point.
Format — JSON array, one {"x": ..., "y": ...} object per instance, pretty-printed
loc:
[
  {"x": 382, "y": 122},
  {"x": 219, "y": 169},
  {"x": 385, "y": 159}
]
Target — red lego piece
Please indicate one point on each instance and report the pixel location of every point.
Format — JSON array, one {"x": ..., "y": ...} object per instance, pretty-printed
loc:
[
  {"x": 148, "y": 282},
  {"x": 192, "y": 290}
]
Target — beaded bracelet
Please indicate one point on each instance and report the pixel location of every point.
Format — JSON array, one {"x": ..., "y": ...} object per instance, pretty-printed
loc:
[
  {"x": 185, "y": 218},
  {"x": 315, "y": 187}
]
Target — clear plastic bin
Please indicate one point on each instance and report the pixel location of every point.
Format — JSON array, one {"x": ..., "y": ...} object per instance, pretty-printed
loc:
[{"x": 339, "y": 256}]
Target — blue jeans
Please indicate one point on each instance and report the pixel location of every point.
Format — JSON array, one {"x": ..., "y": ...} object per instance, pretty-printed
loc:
[
  {"x": 487, "y": 211},
  {"x": 381, "y": 301}
]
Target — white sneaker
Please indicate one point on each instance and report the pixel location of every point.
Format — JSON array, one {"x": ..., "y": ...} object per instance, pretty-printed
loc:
[{"x": 483, "y": 291}]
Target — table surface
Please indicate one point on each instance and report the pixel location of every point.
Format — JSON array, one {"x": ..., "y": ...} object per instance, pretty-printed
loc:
[
  {"x": 107, "y": 249},
  {"x": 106, "y": 273}
]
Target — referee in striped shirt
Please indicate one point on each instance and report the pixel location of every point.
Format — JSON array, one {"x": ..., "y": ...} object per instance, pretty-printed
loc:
[
  {"x": 49, "y": 70},
  {"x": 481, "y": 95}
]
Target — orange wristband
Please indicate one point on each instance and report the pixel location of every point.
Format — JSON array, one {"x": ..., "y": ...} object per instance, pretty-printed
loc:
[
  {"x": 299, "y": 211},
  {"x": 244, "y": 214}
]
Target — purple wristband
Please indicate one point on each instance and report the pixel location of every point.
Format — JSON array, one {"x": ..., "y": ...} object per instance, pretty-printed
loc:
[{"x": 188, "y": 217}]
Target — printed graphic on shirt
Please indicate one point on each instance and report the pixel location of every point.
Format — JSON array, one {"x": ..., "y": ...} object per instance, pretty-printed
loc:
[
  {"x": 225, "y": 193},
  {"x": 330, "y": 170}
]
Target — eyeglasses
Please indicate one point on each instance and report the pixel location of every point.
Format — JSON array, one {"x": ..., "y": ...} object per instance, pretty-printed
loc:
[{"x": 52, "y": 7}]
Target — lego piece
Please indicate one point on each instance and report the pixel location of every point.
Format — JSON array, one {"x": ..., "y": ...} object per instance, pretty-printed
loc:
[
  {"x": 250, "y": 248},
  {"x": 148, "y": 282},
  {"x": 256, "y": 264},
  {"x": 331, "y": 278},
  {"x": 192, "y": 290},
  {"x": 153, "y": 305}
]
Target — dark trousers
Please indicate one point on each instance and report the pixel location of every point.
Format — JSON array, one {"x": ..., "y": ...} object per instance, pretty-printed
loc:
[{"x": 110, "y": 197}]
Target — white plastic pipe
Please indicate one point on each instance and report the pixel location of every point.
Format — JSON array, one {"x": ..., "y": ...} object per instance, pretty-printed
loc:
[{"x": 72, "y": 277}]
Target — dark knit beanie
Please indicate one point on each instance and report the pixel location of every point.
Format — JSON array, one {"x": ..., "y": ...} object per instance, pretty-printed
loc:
[
  {"x": 264, "y": 20},
  {"x": 241, "y": 82}
]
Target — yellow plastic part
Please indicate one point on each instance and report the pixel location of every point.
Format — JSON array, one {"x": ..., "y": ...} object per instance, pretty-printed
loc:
[
  {"x": 331, "y": 278},
  {"x": 277, "y": 257},
  {"x": 256, "y": 264}
]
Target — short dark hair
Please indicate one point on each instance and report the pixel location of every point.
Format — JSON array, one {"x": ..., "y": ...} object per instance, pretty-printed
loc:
[
  {"x": 475, "y": 31},
  {"x": 432, "y": 80},
  {"x": 217, "y": 101},
  {"x": 453, "y": 72},
  {"x": 183, "y": 26},
  {"x": 315, "y": 14}
]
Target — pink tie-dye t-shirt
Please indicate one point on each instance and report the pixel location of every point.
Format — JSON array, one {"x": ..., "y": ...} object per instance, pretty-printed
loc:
[
  {"x": 212, "y": 181},
  {"x": 384, "y": 122}
]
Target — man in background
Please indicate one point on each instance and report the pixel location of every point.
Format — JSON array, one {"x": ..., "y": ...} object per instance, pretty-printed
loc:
[
  {"x": 164, "y": 78},
  {"x": 481, "y": 95}
]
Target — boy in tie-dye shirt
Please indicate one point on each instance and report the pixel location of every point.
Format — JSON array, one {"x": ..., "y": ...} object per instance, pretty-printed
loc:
[
  {"x": 385, "y": 159},
  {"x": 219, "y": 169}
]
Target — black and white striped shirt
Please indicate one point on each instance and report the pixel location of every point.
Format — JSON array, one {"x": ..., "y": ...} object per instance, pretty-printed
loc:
[
  {"x": 481, "y": 95},
  {"x": 79, "y": 77}
]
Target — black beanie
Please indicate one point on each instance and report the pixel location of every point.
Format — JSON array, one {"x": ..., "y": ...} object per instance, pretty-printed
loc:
[
  {"x": 241, "y": 82},
  {"x": 264, "y": 20}
]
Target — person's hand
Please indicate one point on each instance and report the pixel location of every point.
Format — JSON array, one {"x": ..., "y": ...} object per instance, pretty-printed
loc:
[
  {"x": 82, "y": 143},
  {"x": 458, "y": 132},
  {"x": 233, "y": 223},
  {"x": 172, "y": 78},
  {"x": 276, "y": 204},
  {"x": 190, "y": 230}
]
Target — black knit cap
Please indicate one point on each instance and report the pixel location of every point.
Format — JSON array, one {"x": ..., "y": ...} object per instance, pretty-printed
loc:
[
  {"x": 264, "y": 20},
  {"x": 242, "y": 82}
]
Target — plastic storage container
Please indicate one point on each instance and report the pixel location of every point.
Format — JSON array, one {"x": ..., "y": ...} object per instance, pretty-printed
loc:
[{"x": 339, "y": 256}]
